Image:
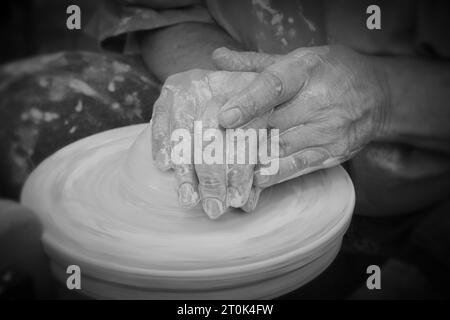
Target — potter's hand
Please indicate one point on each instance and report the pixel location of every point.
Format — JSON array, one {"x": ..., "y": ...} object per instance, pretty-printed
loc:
[
  {"x": 197, "y": 95},
  {"x": 327, "y": 103}
]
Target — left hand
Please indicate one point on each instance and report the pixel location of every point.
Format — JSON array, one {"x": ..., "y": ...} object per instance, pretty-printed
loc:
[
  {"x": 328, "y": 102},
  {"x": 186, "y": 98}
]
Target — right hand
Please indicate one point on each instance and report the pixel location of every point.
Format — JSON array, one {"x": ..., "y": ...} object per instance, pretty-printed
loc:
[{"x": 198, "y": 95}]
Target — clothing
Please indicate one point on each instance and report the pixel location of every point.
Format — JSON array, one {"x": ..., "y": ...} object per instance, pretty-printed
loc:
[
  {"x": 416, "y": 27},
  {"x": 52, "y": 100}
]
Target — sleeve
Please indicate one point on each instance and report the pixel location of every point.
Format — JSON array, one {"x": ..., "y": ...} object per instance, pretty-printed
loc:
[{"x": 116, "y": 22}]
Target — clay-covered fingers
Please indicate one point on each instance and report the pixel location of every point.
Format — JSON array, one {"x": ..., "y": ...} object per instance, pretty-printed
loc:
[
  {"x": 273, "y": 86},
  {"x": 182, "y": 133},
  {"x": 187, "y": 183},
  {"x": 248, "y": 196},
  {"x": 161, "y": 129},
  {"x": 240, "y": 180},
  {"x": 242, "y": 155},
  {"x": 211, "y": 170}
]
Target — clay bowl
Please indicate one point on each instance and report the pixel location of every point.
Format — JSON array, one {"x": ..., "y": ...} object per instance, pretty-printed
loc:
[{"x": 107, "y": 209}]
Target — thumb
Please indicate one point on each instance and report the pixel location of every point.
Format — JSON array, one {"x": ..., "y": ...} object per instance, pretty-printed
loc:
[{"x": 230, "y": 60}]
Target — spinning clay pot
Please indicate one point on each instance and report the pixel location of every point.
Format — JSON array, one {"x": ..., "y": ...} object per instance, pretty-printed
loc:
[{"x": 106, "y": 208}]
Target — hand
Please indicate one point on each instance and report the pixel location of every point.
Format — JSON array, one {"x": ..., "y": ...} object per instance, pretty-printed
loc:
[
  {"x": 198, "y": 95},
  {"x": 327, "y": 103}
]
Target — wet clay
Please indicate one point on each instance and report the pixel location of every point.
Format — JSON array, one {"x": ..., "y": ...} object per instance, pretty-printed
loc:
[{"x": 108, "y": 209}]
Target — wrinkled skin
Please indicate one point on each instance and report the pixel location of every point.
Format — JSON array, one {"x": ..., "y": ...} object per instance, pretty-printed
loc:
[
  {"x": 198, "y": 95},
  {"x": 327, "y": 102}
]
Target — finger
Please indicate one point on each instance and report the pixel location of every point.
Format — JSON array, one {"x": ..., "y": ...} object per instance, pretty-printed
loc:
[
  {"x": 273, "y": 86},
  {"x": 211, "y": 172},
  {"x": 244, "y": 143},
  {"x": 230, "y": 60},
  {"x": 161, "y": 129},
  {"x": 295, "y": 165},
  {"x": 181, "y": 153},
  {"x": 212, "y": 187},
  {"x": 253, "y": 199}
]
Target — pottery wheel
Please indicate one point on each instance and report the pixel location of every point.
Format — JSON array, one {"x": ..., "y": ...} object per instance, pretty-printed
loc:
[{"x": 107, "y": 209}]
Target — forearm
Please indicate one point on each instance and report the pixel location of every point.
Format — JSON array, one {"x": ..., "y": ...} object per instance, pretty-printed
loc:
[
  {"x": 419, "y": 102},
  {"x": 182, "y": 47}
]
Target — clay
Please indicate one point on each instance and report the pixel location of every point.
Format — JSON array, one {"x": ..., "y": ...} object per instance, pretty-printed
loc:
[{"x": 108, "y": 209}]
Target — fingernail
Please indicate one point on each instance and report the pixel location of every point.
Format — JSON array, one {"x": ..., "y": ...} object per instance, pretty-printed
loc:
[
  {"x": 231, "y": 117},
  {"x": 213, "y": 207},
  {"x": 187, "y": 196}
]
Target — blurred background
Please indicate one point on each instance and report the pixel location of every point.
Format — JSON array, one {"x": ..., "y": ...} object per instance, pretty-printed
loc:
[{"x": 31, "y": 27}]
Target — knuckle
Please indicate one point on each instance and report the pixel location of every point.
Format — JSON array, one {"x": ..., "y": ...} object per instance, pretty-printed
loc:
[
  {"x": 211, "y": 182},
  {"x": 272, "y": 82},
  {"x": 310, "y": 56}
]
